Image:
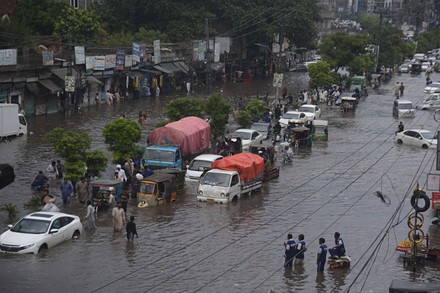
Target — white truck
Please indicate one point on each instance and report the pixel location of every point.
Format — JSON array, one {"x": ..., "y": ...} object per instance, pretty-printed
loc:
[
  {"x": 231, "y": 177},
  {"x": 12, "y": 123}
]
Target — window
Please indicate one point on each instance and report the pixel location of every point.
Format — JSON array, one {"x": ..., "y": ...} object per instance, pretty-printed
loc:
[
  {"x": 234, "y": 180},
  {"x": 74, "y": 3},
  {"x": 410, "y": 133},
  {"x": 254, "y": 135}
]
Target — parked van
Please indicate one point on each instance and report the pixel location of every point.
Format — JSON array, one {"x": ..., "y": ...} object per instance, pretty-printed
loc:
[
  {"x": 420, "y": 57},
  {"x": 200, "y": 164},
  {"x": 403, "y": 109}
]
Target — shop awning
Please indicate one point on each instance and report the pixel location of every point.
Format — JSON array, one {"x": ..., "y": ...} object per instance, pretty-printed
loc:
[
  {"x": 93, "y": 79},
  {"x": 62, "y": 72},
  {"x": 164, "y": 70},
  {"x": 50, "y": 85},
  {"x": 217, "y": 66},
  {"x": 150, "y": 71},
  {"x": 181, "y": 65},
  {"x": 171, "y": 67}
]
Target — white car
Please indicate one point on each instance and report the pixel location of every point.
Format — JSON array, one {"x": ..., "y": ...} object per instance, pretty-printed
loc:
[
  {"x": 247, "y": 136},
  {"x": 39, "y": 231},
  {"x": 430, "y": 103},
  {"x": 417, "y": 137},
  {"x": 312, "y": 111},
  {"x": 199, "y": 165},
  {"x": 404, "y": 68},
  {"x": 425, "y": 66},
  {"x": 431, "y": 88},
  {"x": 294, "y": 117}
]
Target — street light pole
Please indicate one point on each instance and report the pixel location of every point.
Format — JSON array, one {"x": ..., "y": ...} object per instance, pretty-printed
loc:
[{"x": 277, "y": 77}]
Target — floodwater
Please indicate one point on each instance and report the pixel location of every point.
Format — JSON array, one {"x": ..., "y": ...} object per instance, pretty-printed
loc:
[{"x": 197, "y": 247}]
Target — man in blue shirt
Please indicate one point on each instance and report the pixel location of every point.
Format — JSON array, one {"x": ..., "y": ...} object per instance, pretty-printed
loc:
[
  {"x": 300, "y": 249},
  {"x": 290, "y": 251},
  {"x": 322, "y": 255},
  {"x": 66, "y": 191},
  {"x": 339, "y": 249}
]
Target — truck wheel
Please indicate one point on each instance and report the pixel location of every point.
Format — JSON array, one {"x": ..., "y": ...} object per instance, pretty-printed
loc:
[
  {"x": 235, "y": 198},
  {"x": 399, "y": 141}
]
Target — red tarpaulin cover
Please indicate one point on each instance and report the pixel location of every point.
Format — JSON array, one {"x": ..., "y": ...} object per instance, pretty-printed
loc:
[
  {"x": 191, "y": 133},
  {"x": 247, "y": 165}
]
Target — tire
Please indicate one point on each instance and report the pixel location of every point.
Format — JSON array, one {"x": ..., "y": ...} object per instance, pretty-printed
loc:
[
  {"x": 76, "y": 234},
  {"x": 399, "y": 141},
  {"x": 424, "y": 146},
  {"x": 42, "y": 248},
  {"x": 416, "y": 231},
  {"x": 420, "y": 220},
  {"x": 422, "y": 196}
]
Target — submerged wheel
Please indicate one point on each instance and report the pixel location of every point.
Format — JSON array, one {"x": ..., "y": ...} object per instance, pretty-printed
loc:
[
  {"x": 437, "y": 115},
  {"x": 75, "y": 234},
  {"x": 399, "y": 141},
  {"x": 424, "y": 146},
  {"x": 42, "y": 248}
]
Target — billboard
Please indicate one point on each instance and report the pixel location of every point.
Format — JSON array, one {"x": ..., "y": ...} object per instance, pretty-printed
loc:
[
  {"x": 136, "y": 52},
  {"x": 156, "y": 46},
  {"x": 99, "y": 63},
  {"x": 120, "y": 60},
  {"x": 8, "y": 57},
  {"x": 80, "y": 55}
]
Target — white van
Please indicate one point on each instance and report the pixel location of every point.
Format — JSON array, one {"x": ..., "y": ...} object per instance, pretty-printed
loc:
[
  {"x": 199, "y": 165},
  {"x": 403, "y": 109}
]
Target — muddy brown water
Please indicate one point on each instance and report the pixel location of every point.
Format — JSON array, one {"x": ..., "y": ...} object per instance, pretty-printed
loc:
[{"x": 197, "y": 247}]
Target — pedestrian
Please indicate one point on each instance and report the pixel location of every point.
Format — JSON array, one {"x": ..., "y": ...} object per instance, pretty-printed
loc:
[
  {"x": 82, "y": 190},
  {"x": 157, "y": 92},
  {"x": 147, "y": 172},
  {"x": 89, "y": 222},
  {"x": 397, "y": 90},
  {"x": 131, "y": 229},
  {"x": 289, "y": 250},
  {"x": 400, "y": 127},
  {"x": 322, "y": 255},
  {"x": 118, "y": 216},
  {"x": 339, "y": 249},
  {"x": 97, "y": 99},
  {"x": 39, "y": 181},
  {"x": 108, "y": 98},
  {"x": 52, "y": 172},
  {"x": 402, "y": 89},
  {"x": 60, "y": 170},
  {"x": 300, "y": 249},
  {"x": 66, "y": 191},
  {"x": 121, "y": 176}
]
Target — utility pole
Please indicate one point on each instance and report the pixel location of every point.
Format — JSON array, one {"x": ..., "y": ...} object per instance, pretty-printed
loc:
[{"x": 207, "y": 57}]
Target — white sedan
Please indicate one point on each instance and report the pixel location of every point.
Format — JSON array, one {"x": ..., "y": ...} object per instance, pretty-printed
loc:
[
  {"x": 247, "y": 136},
  {"x": 431, "y": 88},
  {"x": 292, "y": 116},
  {"x": 39, "y": 231},
  {"x": 312, "y": 111},
  {"x": 417, "y": 137}
]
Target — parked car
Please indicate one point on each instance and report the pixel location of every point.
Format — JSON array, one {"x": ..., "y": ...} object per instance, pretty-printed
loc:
[
  {"x": 247, "y": 136},
  {"x": 403, "y": 108},
  {"x": 431, "y": 88},
  {"x": 430, "y": 103},
  {"x": 294, "y": 117},
  {"x": 417, "y": 137},
  {"x": 263, "y": 128},
  {"x": 404, "y": 68},
  {"x": 312, "y": 111},
  {"x": 39, "y": 231},
  {"x": 425, "y": 65}
]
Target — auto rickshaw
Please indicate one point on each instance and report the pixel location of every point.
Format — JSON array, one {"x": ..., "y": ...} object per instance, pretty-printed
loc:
[
  {"x": 301, "y": 137},
  {"x": 267, "y": 151},
  {"x": 104, "y": 192},
  {"x": 180, "y": 176},
  {"x": 348, "y": 104},
  {"x": 159, "y": 188},
  {"x": 416, "y": 68},
  {"x": 320, "y": 130}
]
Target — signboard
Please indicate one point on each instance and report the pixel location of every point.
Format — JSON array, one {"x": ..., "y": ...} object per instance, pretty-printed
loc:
[
  {"x": 47, "y": 58},
  {"x": 217, "y": 52},
  {"x": 80, "y": 55},
  {"x": 8, "y": 57},
  {"x": 277, "y": 79},
  {"x": 136, "y": 52},
  {"x": 110, "y": 61},
  {"x": 129, "y": 60},
  {"x": 435, "y": 199},
  {"x": 120, "y": 60},
  {"x": 90, "y": 62},
  {"x": 99, "y": 63},
  {"x": 69, "y": 83},
  {"x": 156, "y": 46},
  {"x": 433, "y": 182}
]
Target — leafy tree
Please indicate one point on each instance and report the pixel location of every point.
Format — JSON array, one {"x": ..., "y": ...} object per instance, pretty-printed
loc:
[
  {"x": 96, "y": 162},
  {"x": 427, "y": 41},
  {"x": 319, "y": 73},
  {"x": 73, "y": 147},
  {"x": 184, "y": 107},
  {"x": 256, "y": 107},
  {"x": 218, "y": 109},
  {"x": 244, "y": 119},
  {"x": 121, "y": 136},
  {"x": 76, "y": 25},
  {"x": 361, "y": 64}
]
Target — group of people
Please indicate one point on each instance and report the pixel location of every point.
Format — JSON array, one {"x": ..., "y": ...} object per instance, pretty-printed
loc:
[
  {"x": 110, "y": 98},
  {"x": 399, "y": 89},
  {"x": 294, "y": 252}
]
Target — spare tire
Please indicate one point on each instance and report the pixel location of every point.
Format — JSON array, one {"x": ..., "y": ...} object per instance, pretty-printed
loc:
[{"x": 421, "y": 195}]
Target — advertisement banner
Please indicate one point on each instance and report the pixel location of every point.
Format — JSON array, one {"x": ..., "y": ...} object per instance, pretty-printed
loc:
[
  {"x": 129, "y": 60},
  {"x": 47, "y": 58},
  {"x": 80, "y": 55},
  {"x": 90, "y": 62},
  {"x": 8, "y": 57},
  {"x": 120, "y": 60},
  {"x": 99, "y": 63},
  {"x": 69, "y": 83},
  {"x": 110, "y": 61},
  {"x": 136, "y": 52},
  {"x": 156, "y": 46}
]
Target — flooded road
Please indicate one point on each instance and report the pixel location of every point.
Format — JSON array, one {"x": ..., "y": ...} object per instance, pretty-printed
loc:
[{"x": 197, "y": 247}]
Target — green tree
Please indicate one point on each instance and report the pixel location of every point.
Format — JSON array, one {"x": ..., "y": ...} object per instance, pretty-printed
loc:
[
  {"x": 244, "y": 119},
  {"x": 184, "y": 107},
  {"x": 121, "y": 136},
  {"x": 76, "y": 25},
  {"x": 361, "y": 64},
  {"x": 319, "y": 74},
  {"x": 73, "y": 147},
  {"x": 218, "y": 109},
  {"x": 256, "y": 108}
]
